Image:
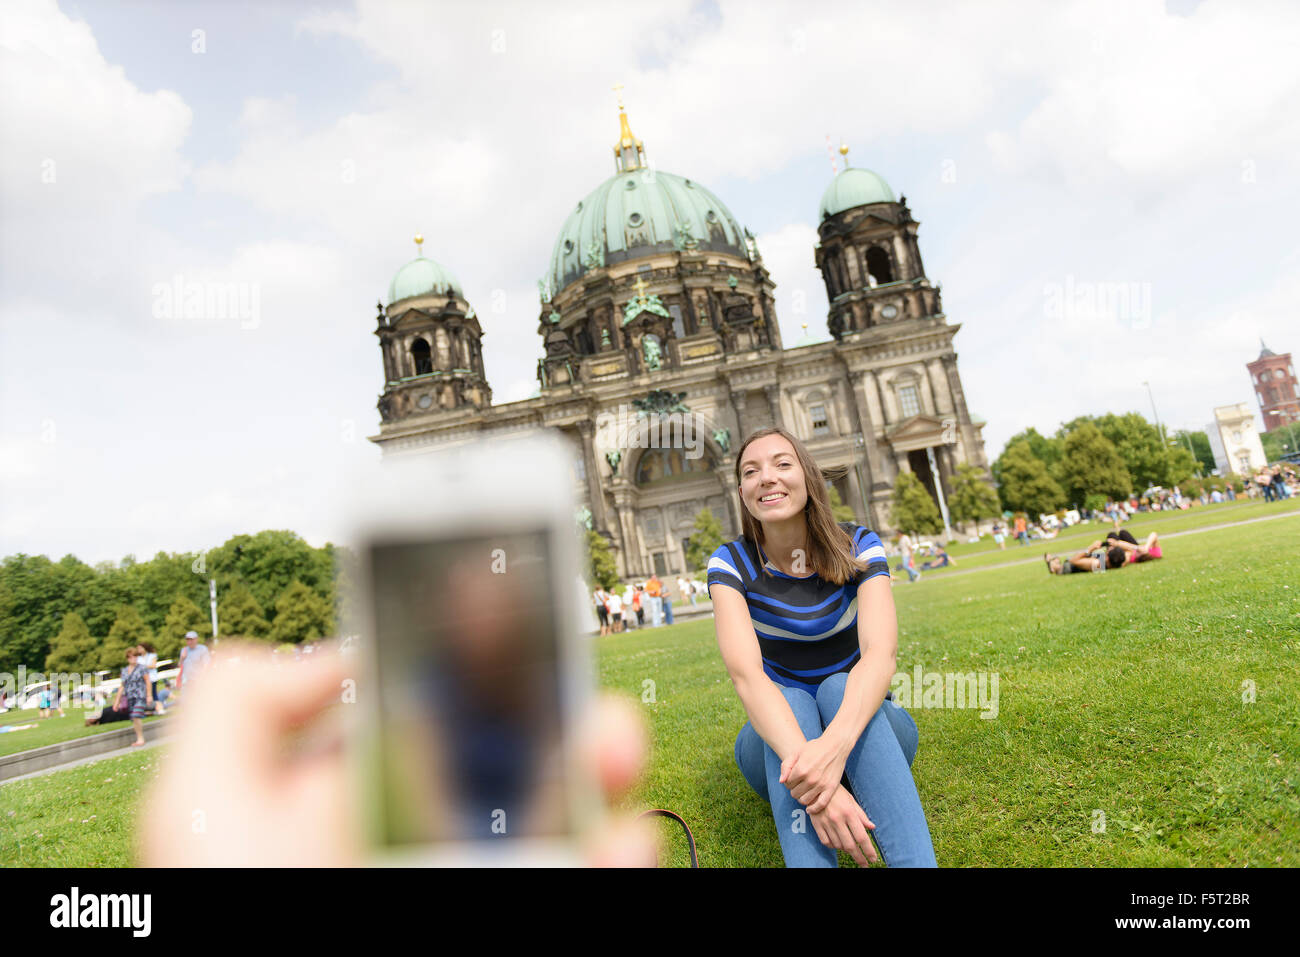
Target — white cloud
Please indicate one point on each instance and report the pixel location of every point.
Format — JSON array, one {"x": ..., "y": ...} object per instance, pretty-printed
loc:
[{"x": 1109, "y": 143}]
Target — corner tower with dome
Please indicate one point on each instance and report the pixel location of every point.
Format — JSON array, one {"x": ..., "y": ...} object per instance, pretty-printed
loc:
[{"x": 656, "y": 301}]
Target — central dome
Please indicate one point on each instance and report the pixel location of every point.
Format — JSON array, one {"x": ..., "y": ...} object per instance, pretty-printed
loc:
[{"x": 639, "y": 212}]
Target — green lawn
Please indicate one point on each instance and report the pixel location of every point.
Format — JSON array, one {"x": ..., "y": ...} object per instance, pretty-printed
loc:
[
  {"x": 1119, "y": 693},
  {"x": 985, "y": 553},
  {"x": 82, "y": 817},
  {"x": 50, "y": 730}
]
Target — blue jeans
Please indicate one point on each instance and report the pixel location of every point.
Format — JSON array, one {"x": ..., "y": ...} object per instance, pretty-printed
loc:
[{"x": 879, "y": 773}]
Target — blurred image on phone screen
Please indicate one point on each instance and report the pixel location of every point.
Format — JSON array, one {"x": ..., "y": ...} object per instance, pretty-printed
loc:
[{"x": 470, "y": 731}]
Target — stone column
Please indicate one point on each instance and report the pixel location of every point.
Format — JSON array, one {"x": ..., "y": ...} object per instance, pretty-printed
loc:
[
  {"x": 938, "y": 377},
  {"x": 729, "y": 495},
  {"x": 863, "y": 395},
  {"x": 633, "y": 561},
  {"x": 586, "y": 429},
  {"x": 774, "y": 402},
  {"x": 738, "y": 404}
]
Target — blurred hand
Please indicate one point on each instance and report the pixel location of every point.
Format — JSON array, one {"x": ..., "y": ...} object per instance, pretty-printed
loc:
[{"x": 231, "y": 794}]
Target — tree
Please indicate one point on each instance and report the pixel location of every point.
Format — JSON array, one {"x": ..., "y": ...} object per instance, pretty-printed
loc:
[
  {"x": 602, "y": 570},
  {"x": 239, "y": 615},
  {"x": 913, "y": 508},
  {"x": 301, "y": 615},
  {"x": 74, "y": 648},
  {"x": 841, "y": 512},
  {"x": 972, "y": 497},
  {"x": 1026, "y": 484},
  {"x": 1090, "y": 463},
  {"x": 127, "y": 632},
  {"x": 1148, "y": 457},
  {"x": 183, "y": 616},
  {"x": 1201, "y": 450},
  {"x": 705, "y": 540},
  {"x": 1045, "y": 450},
  {"x": 270, "y": 561}
]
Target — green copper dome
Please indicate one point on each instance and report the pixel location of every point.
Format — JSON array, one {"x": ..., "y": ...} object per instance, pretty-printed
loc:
[
  {"x": 638, "y": 212},
  {"x": 422, "y": 277},
  {"x": 854, "y": 187}
]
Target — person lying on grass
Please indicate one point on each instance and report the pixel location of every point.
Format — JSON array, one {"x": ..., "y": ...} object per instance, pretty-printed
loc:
[
  {"x": 1097, "y": 557},
  {"x": 806, "y": 627},
  {"x": 1147, "y": 551}
]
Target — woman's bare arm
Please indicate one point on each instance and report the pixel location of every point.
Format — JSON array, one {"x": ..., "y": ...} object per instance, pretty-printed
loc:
[
  {"x": 869, "y": 679},
  {"x": 766, "y": 706}
]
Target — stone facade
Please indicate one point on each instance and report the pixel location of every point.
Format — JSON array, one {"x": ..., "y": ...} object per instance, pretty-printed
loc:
[{"x": 688, "y": 334}]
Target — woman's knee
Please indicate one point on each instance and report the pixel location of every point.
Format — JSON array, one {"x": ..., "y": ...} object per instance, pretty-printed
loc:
[
  {"x": 805, "y": 710},
  {"x": 830, "y": 695}
]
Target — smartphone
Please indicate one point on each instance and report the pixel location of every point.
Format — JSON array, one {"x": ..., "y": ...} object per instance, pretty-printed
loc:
[{"x": 473, "y": 668}]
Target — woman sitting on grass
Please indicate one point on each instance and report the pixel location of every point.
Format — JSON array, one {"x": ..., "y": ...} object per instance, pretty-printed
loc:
[{"x": 806, "y": 626}]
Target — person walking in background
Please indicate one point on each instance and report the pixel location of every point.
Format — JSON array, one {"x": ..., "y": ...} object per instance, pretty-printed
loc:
[
  {"x": 1022, "y": 530},
  {"x": 686, "y": 589},
  {"x": 149, "y": 658},
  {"x": 615, "y": 606},
  {"x": 629, "y": 607},
  {"x": 1000, "y": 536},
  {"x": 909, "y": 561},
  {"x": 667, "y": 599},
  {"x": 638, "y": 605},
  {"x": 602, "y": 612},
  {"x": 194, "y": 658},
  {"x": 653, "y": 595},
  {"x": 137, "y": 693},
  {"x": 1280, "y": 491}
]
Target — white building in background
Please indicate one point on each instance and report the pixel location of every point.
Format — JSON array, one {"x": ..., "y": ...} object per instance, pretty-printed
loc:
[{"x": 1235, "y": 441}]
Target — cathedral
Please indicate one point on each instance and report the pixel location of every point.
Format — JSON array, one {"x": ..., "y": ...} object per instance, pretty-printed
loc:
[{"x": 662, "y": 352}]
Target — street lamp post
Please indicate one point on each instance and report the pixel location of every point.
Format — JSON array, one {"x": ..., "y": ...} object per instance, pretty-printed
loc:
[{"x": 1159, "y": 427}]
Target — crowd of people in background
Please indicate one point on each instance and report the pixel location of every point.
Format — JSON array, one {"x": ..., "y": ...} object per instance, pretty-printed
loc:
[{"x": 628, "y": 609}]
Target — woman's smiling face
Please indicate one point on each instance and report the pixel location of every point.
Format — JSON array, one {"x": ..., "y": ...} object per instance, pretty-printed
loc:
[{"x": 772, "y": 480}]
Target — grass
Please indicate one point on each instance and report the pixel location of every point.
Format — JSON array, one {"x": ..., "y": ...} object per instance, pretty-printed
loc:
[
  {"x": 82, "y": 817},
  {"x": 984, "y": 553},
  {"x": 1119, "y": 693},
  {"x": 50, "y": 730}
]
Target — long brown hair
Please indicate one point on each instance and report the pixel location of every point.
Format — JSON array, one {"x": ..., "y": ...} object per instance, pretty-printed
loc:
[{"x": 830, "y": 549}]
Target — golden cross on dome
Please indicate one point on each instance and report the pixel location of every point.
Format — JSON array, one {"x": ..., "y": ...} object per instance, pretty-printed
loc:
[
  {"x": 640, "y": 287},
  {"x": 419, "y": 244},
  {"x": 618, "y": 91}
]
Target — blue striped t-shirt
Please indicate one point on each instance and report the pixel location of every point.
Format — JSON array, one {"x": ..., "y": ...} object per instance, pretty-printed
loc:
[{"x": 807, "y": 627}]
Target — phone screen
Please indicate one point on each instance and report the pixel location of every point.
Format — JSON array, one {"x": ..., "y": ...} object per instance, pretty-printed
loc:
[{"x": 470, "y": 733}]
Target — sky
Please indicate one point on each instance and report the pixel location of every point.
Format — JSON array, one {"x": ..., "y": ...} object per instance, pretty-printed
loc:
[{"x": 1106, "y": 192}]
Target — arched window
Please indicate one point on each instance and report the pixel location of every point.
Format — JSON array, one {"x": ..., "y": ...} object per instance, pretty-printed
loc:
[
  {"x": 878, "y": 265},
  {"x": 422, "y": 357},
  {"x": 674, "y": 459}
]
